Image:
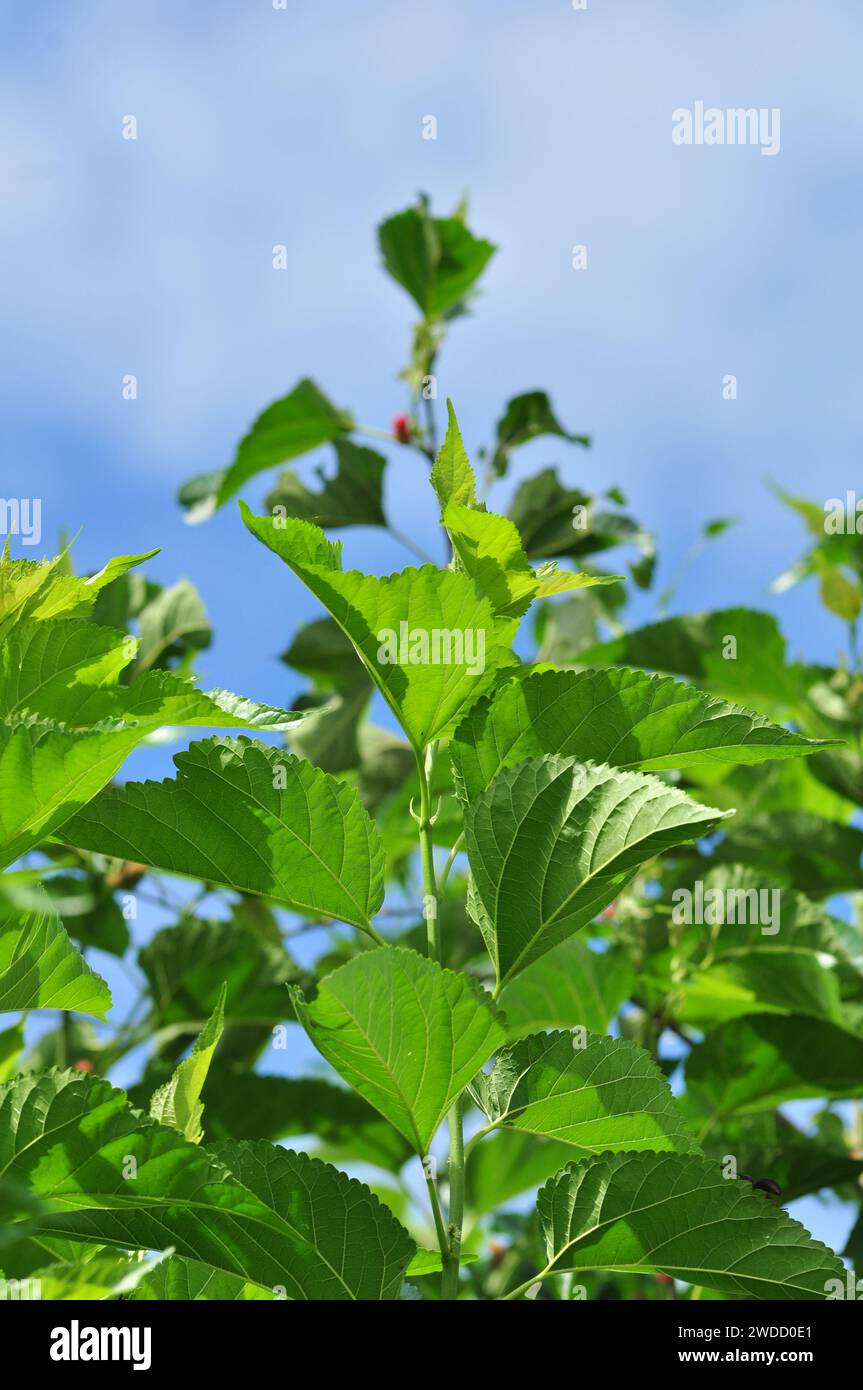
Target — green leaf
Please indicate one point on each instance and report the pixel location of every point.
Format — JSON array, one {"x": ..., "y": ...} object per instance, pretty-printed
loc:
[
  {"x": 839, "y": 594},
  {"x": 763, "y": 1061},
  {"x": 178, "y": 1103},
  {"x": 625, "y": 718},
  {"x": 42, "y": 589},
  {"x": 291, "y": 426},
  {"x": 555, "y": 520},
  {"x": 93, "y": 1280},
  {"x": 527, "y": 417},
  {"x": 595, "y": 1094},
  {"x": 787, "y": 786},
  {"x": 430, "y": 1262},
  {"x": 322, "y": 651},
  {"x": 48, "y": 666},
  {"x": 757, "y": 950},
  {"x": 172, "y": 701},
  {"x": 405, "y": 1034},
  {"x": 838, "y": 769},
  {"x": 354, "y": 497},
  {"x": 854, "y": 1249},
  {"x": 815, "y": 856},
  {"x": 770, "y": 982},
  {"x": 198, "y": 495},
  {"x": 837, "y": 548},
  {"x": 11, "y": 1047},
  {"x": 436, "y": 259},
  {"x": 172, "y": 625},
  {"x": 247, "y": 817},
  {"x": 271, "y": 1217},
  {"x": 329, "y": 735},
  {"x": 736, "y": 652},
  {"x": 677, "y": 1215},
  {"x": 66, "y": 724},
  {"x": 564, "y": 630},
  {"x": 553, "y": 841},
  {"x": 85, "y": 905},
  {"x": 489, "y": 549},
  {"x": 40, "y": 968},
  {"x": 46, "y": 774},
  {"x": 768, "y": 1145},
  {"x": 571, "y": 986},
  {"x": 429, "y": 641},
  {"x": 452, "y": 476},
  {"x": 387, "y": 765},
  {"x": 813, "y": 513},
  {"x": 67, "y": 673},
  {"x": 242, "y": 1104},
  {"x": 188, "y": 1281},
  {"x": 361, "y": 1242},
  {"x": 187, "y": 964},
  {"x": 509, "y": 1163}
]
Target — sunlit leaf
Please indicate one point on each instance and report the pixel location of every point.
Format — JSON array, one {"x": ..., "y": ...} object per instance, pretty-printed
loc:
[
  {"x": 289, "y": 427},
  {"x": 251, "y": 818},
  {"x": 41, "y": 969},
  {"x": 405, "y": 1034},
  {"x": 595, "y": 1094},
  {"x": 271, "y": 1217},
  {"x": 178, "y": 1102},
  {"x": 553, "y": 841},
  {"x": 621, "y": 717},
  {"x": 677, "y": 1215},
  {"x": 428, "y": 639}
]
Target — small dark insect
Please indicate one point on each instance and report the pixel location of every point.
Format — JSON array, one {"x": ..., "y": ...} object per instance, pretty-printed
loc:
[{"x": 765, "y": 1185}]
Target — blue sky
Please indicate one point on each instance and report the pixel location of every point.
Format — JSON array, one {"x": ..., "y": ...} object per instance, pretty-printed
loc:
[{"x": 303, "y": 127}]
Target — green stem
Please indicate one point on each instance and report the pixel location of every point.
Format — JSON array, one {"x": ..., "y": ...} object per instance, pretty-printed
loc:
[
  {"x": 438, "y": 1216},
  {"x": 375, "y": 935},
  {"x": 417, "y": 550},
  {"x": 431, "y": 429},
  {"x": 456, "y": 849},
  {"x": 430, "y": 442},
  {"x": 65, "y": 1039},
  {"x": 430, "y": 892},
  {"x": 372, "y": 432},
  {"x": 449, "y": 1238},
  {"x": 479, "y": 1136},
  {"x": 528, "y": 1284},
  {"x": 706, "y": 1128},
  {"x": 449, "y": 1282}
]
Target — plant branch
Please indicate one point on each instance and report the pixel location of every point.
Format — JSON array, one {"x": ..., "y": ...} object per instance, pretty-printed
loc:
[
  {"x": 480, "y": 1135},
  {"x": 410, "y": 545},
  {"x": 439, "y": 1226},
  {"x": 454, "y": 852},
  {"x": 372, "y": 432},
  {"x": 431, "y": 428},
  {"x": 449, "y": 1282},
  {"x": 528, "y": 1284},
  {"x": 450, "y": 1237},
  {"x": 425, "y": 822}
]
